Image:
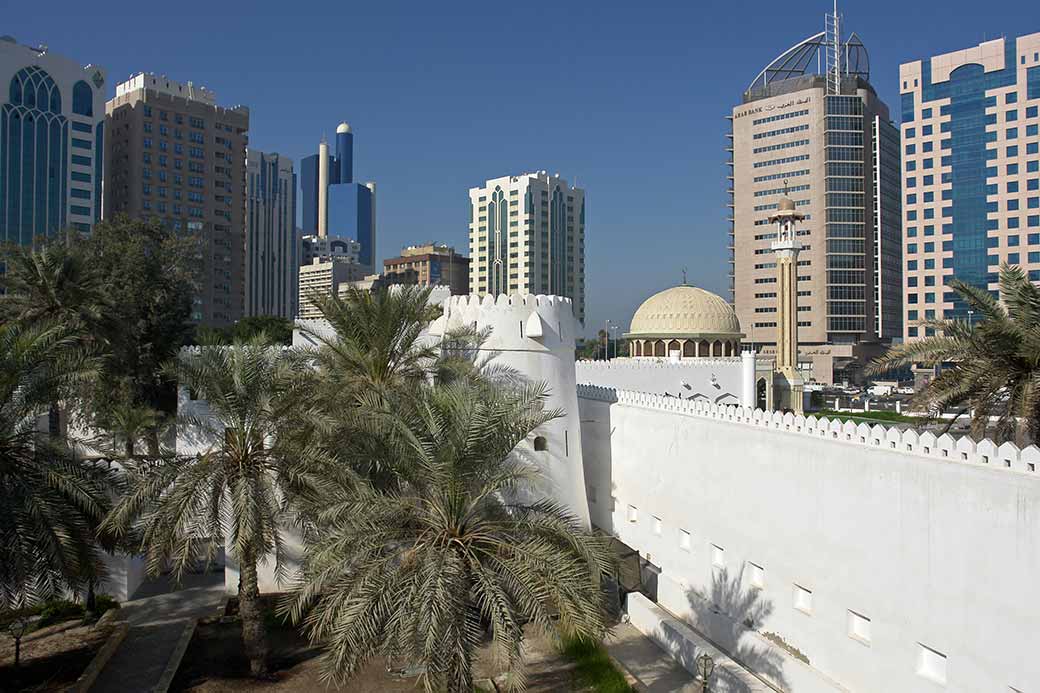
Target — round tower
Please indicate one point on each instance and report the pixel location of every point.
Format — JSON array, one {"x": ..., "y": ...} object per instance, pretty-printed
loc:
[{"x": 535, "y": 335}]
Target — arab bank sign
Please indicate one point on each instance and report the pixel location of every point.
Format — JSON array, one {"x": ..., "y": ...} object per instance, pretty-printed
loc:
[{"x": 771, "y": 107}]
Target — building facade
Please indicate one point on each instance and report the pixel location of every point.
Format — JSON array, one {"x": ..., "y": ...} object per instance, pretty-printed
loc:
[
  {"x": 824, "y": 137},
  {"x": 527, "y": 236},
  {"x": 332, "y": 203},
  {"x": 174, "y": 155},
  {"x": 52, "y": 133},
  {"x": 323, "y": 277},
  {"x": 971, "y": 172},
  {"x": 429, "y": 265},
  {"x": 272, "y": 248}
]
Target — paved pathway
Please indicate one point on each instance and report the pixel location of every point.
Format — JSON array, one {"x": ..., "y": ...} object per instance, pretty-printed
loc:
[
  {"x": 657, "y": 671},
  {"x": 157, "y": 617},
  {"x": 651, "y": 665}
]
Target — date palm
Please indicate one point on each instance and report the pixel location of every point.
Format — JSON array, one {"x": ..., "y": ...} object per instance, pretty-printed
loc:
[
  {"x": 50, "y": 502},
  {"x": 242, "y": 483},
  {"x": 990, "y": 367},
  {"x": 53, "y": 282},
  {"x": 462, "y": 543}
]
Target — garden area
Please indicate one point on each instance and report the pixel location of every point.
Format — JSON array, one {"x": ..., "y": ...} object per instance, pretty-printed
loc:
[{"x": 57, "y": 642}]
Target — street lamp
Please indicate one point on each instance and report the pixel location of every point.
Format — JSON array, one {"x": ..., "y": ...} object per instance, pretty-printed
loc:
[
  {"x": 705, "y": 667},
  {"x": 971, "y": 314},
  {"x": 614, "y": 328}
]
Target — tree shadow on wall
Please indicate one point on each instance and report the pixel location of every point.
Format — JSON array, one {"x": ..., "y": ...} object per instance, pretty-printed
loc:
[{"x": 727, "y": 616}]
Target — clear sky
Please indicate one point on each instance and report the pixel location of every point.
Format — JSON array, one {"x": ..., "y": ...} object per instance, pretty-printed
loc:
[{"x": 627, "y": 99}]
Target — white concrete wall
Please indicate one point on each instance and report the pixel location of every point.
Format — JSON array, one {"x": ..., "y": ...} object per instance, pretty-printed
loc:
[
  {"x": 688, "y": 378},
  {"x": 933, "y": 540}
]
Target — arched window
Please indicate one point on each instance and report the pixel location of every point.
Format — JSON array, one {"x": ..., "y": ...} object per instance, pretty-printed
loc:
[
  {"x": 83, "y": 99},
  {"x": 716, "y": 348},
  {"x": 659, "y": 348},
  {"x": 688, "y": 349},
  {"x": 637, "y": 348},
  {"x": 540, "y": 444},
  {"x": 15, "y": 96},
  {"x": 673, "y": 346}
]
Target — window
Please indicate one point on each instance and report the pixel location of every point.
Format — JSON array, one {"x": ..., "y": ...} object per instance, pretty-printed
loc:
[
  {"x": 633, "y": 514},
  {"x": 931, "y": 664},
  {"x": 718, "y": 556},
  {"x": 82, "y": 99},
  {"x": 540, "y": 444},
  {"x": 803, "y": 599},
  {"x": 684, "y": 540},
  {"x": 859, "y": 627}
]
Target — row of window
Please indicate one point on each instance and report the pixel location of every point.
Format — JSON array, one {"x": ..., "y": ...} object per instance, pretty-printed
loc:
[
  {"x": 781, "y": 131},
  {"x": 782, "y": 145},
  {"x": 785, "y": 160},
  {"x": 781, "y": 176},
  {"x": 777, "y": 191}
]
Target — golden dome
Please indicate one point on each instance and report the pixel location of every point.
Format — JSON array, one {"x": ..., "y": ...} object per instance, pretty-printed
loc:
[
  {"x": 786, "y": 204},
  {"x": 685, "y": 311}
]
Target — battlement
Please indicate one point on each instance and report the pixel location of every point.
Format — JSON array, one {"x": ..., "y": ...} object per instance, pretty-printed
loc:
[
  {"x": 656, "y": 364},
  {"x": 518, "y": 322},
  {"x": 946, "y": 447},
  {"x": 506, "y": 300}
]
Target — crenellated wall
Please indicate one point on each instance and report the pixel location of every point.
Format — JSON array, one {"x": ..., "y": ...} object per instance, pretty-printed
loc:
[
  {"x": 889, "y": 560},
  {"x": 715, "y": 380}
]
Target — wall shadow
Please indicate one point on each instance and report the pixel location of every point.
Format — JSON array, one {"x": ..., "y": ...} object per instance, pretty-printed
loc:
[{"x": 727, "y": 616}]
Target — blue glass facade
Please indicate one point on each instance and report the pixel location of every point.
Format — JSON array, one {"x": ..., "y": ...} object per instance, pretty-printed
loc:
[
  {"x": 351, "y": 205},
  {"x": 966, "y": 154},
  {"x": 34, "y": 136}
]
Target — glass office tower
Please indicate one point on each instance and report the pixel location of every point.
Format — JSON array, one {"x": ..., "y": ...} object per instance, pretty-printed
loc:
[{"x": 971, "y": 172}]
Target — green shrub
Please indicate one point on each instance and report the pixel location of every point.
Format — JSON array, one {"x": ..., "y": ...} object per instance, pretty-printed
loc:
[
  {"x": 104, "y": 602},
  {"x": 58, "y": 611},
  {"x": 593, "y": 668}
]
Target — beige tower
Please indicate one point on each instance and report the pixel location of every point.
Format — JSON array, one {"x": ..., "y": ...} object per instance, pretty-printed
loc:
[{"x": 787, "y": 382}]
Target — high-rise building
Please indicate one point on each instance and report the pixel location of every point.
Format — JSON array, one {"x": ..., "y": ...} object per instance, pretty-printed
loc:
[
  {"x": 323, "y": 277},
  {"x": 332, "y": 203},
  {"x": 527, "y": 236},
  {"x": 811, "y": 124},
  {"x": 52, "y": 123},
  {"x": 174, "y": 154},
  {"x": 429, "y": 265},
  {"x": 272, "y": 247},
  {"x": 971, "y": 172}
]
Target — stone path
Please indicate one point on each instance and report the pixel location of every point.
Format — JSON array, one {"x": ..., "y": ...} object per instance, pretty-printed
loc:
[
  {"x": 157, "y": 617},
  {"x": 651, "y": 665}
]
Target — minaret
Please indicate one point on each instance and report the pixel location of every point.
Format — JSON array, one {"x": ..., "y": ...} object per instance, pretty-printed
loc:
[
  {"x": 787, "y": 383},
  {"x": 323, "y": 189},
  {"x": 345, "y": 153}
]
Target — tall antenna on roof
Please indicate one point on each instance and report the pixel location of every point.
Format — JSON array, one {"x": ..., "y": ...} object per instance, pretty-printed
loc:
[{"x": 833, "y": 50}]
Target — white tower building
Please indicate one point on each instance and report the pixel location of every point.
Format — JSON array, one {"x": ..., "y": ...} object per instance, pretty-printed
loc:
[
  {"x": 527, "y": 236},
  {"x": 535, "y": 335}
]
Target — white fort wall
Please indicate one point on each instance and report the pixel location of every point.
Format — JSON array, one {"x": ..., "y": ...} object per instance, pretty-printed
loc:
[
  {"x": 891, "y": 561},
  {"x": 716, "y": 380},
  {"x": 535, "y": 335}
]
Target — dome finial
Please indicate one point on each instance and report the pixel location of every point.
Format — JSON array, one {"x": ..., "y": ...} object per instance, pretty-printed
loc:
[{"x": 684, "y": 277}]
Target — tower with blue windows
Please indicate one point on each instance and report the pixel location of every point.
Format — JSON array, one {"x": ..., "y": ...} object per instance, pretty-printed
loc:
[
  {"x": 971, "y": 173},
  {"x": 52, "y": 115},
  {"x": 333, "y": 204}
]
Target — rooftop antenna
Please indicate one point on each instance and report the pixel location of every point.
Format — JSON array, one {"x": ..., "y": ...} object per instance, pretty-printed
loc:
[{"x": 833, "y": 43}]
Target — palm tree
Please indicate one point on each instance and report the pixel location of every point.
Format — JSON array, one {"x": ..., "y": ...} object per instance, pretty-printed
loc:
[
  {"x": 50, "y": 502},
  {"x": 376, "y": 342},
  {"x": 462, "y": 543},
  {"x": 991, "y": 367},
  {"x": 54, "y": 282},
  {"x": 240, "y": 487}
]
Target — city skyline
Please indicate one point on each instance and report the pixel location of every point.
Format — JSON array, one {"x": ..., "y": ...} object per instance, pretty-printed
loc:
[{"x": 648, "y": 120}]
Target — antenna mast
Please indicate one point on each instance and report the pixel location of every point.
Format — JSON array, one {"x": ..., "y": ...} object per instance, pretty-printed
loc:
[{"x": 833, "y": 42}]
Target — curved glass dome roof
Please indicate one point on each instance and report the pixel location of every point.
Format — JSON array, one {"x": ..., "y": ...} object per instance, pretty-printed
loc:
[{"x": 799, "y": 60}]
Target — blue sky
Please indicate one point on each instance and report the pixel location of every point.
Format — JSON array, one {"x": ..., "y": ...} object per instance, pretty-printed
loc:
[{"x": 626, "y": 98}]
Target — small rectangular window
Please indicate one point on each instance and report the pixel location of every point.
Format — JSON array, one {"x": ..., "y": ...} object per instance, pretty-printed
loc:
[
  {"x": 803, "y": 599},
  {"x": 931, "y": 664},
  {"x": 633, "y": 514},
  {"x": 859, "y": 627}
]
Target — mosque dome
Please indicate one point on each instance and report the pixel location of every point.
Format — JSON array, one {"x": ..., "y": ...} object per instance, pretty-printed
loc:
[
  {"x": 343, "y": 128},
  {"x": 685, "y": 311},
  {"x": 786, "y": 204}
]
